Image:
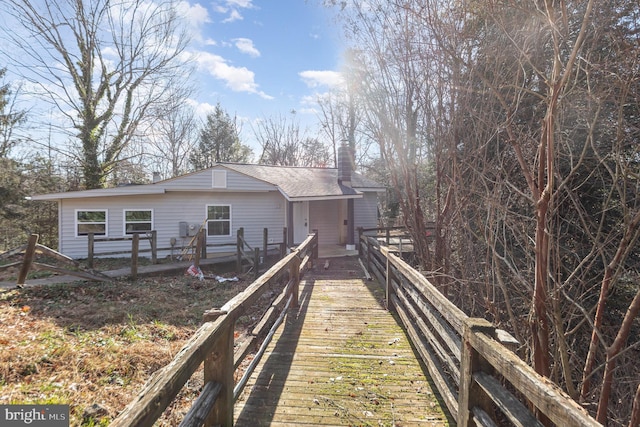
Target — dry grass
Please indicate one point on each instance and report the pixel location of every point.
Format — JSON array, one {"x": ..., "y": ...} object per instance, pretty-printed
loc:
[{"x": 97, "y": 343}]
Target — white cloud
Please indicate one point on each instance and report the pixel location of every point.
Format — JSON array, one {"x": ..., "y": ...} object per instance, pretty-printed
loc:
[
  {"x": 195, "y": 16},
  {"x": 234, "y": 15},
  {"x": 315, "y": 78},
  {"x": 246, "y": 46},
  {"x": 238, "y": 79},
  {"x": 232, "y": 8},
  {"x": 245, "y": 4}
]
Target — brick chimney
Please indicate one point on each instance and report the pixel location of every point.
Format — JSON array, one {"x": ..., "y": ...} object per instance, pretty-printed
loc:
[{"x": 345, "y": 164}]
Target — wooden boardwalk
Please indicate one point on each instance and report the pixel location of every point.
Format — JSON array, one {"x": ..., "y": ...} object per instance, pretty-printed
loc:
[{"x": 340, "y": 359}]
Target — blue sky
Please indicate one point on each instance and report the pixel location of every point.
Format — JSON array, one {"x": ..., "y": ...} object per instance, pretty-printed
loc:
[
  {"x": 261, "y": 58},
  {"x": 258, "y": 58}
]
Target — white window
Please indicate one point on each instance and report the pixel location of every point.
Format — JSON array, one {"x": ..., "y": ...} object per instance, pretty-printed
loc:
[
  {"x": 219, "y": 220},
  {"x": 91, "y": 221},
  {"x": 138, "y": 221},
  {"x": 219, "y": 179}
]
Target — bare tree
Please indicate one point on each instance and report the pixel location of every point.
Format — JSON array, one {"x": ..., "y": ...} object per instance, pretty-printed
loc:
[
  {"x": 284, "y": 143},
  {"x": 172, "y": 138},
  {"x": 516, "y": 124},
  {"x": 102, "y": 64},
  {"x": 389, "y": 73}
]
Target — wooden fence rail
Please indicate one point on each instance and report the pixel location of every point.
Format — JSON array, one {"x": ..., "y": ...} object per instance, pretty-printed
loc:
[
  {"x": 470, "y": 361},
  {"x": 213, "y": 344},
  {"x": 28, "y": 262}
]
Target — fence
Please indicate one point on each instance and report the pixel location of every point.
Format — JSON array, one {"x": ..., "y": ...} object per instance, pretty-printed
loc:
[
  {"x": 469, "y": 359},
  {"x": 213, "y": 344},
  {"x": 195, "y": 250},
  {"x": 28, "y": 262}
]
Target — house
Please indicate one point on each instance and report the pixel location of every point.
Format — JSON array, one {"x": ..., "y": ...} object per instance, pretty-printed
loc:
[{"x": 222, "y": 199}]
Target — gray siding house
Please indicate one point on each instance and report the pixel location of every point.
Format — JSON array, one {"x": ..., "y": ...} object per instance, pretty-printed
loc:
[{"x": 222, "y": 199}]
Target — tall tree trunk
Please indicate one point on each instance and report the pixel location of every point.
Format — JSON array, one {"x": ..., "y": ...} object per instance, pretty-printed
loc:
[{"x": 612, "y": 353}]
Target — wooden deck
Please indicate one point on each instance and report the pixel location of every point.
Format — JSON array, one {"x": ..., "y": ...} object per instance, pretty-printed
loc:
[{"x": 340, "y": 359}]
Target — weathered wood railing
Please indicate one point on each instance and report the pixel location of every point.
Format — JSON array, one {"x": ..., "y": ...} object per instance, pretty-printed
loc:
[
  {"x": 469, "y": 360},
  {"x": 213, "y": 344},
  {"x": 28, "y": 262},
  {"x": 134, "y": 238},
  {"x": 254, "y": 256}
]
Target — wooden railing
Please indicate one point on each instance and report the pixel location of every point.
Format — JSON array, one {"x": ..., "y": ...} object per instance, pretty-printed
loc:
[
  {"x": 28, "y": 262},
  {"x": 478, "y": 376},
  {"x": 213, "y": 344}
]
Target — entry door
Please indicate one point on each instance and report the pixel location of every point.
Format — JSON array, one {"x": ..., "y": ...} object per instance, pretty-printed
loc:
[{"x": 300, "y": 221}]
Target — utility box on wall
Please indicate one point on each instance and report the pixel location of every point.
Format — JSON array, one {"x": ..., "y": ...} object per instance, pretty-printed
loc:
[
  {"x": 187, "y": 230},
  {"x": 183, "y": 228}
]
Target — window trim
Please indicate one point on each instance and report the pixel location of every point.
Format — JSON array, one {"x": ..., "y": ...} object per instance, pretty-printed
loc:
[
  {"x": 124, "y": 221},
  {"x": 77, "y": 223},
  {"x": 219, "y": 220}
]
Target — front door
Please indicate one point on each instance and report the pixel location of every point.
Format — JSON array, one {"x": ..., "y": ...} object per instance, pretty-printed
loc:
[{"x": 300, "y": 221}]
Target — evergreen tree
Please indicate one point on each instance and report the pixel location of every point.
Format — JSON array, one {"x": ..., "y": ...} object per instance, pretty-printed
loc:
[
  {"x": 9, "y": 117},
  {"x": 219, "y": 142}
]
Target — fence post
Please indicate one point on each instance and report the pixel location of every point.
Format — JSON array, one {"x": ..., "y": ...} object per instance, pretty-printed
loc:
[
  {"x": 284, "y": 241},
  {"x": 315, "y": 247},
  {"x": 218, "y": 367},
  {"x": 388, "y": 289},
  {"x": 28, "y": 259},
  {"x": 265, "y": 239},
  {"x": 91, "y": 242},
  {"x": 239, "y": 248},
  {"x": 388, "y": 235},
  {"x": 360, "y": 242},
  {"x": 294, "y": 275},
  {"x": 135, "y": 244},
  {"x": 203, "y": 254},
  {"x": 256, "y": 263},
  {"x": 154, "y": 247},
  {"x": 470, "y": 394},
  {"x": 369, "y": 247},
  {"x": 196, "y": 259}
]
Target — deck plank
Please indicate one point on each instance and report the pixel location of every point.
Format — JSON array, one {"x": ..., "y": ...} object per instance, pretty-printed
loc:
[{"x": 340, "y": 359}]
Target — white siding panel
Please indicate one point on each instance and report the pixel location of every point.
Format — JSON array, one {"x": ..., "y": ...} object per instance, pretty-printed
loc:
[
  {"x": 203, "y": 180},
  {"x": 324, "y": 217},
  {"x": 253, "y": 211},
  {"x": 366, "y": 212}
]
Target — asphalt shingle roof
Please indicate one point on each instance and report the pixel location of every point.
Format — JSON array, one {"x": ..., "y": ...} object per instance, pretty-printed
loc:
[{"x": 300, "y": 182}]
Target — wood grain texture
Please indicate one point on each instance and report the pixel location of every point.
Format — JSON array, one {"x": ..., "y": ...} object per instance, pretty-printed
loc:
[{"x": 340, "y": 359}]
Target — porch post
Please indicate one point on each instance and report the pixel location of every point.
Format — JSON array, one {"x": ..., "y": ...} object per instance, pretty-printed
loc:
[
  {"x": 350, "y": 224},
  {"x": 289, "y": 223}
]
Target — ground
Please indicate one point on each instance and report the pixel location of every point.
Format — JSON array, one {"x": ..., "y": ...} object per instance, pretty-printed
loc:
[{"x": 97, "y": 343}]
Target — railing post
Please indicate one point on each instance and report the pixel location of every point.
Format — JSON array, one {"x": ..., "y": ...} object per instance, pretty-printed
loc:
[
  {"x": 315, "y": 247},
  {"x": 368, "y": 253},
  {"x": 198, "y": 251},
  {"x": 90, "y": 240},
  {"x": 256, "y": 263},
  {"x": 388, "y": 235},
  {"x": 239, "y": 234},
  {"x": 470, "y": 394},
  {"x": 294, "y": 275},
  {"x": 204, "y": 243},
  {"x": 28, "y": 258},
  {"x": 265, "y": 240},
  {"x": 154, "y": 247},
  {"x": 218, "y": 367},
  {"x": 285, "y": 242},
  {"x": 360, "y": 242},
  {"x": 389, "y": 278},
  {"x": 135, "y": 244}
]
